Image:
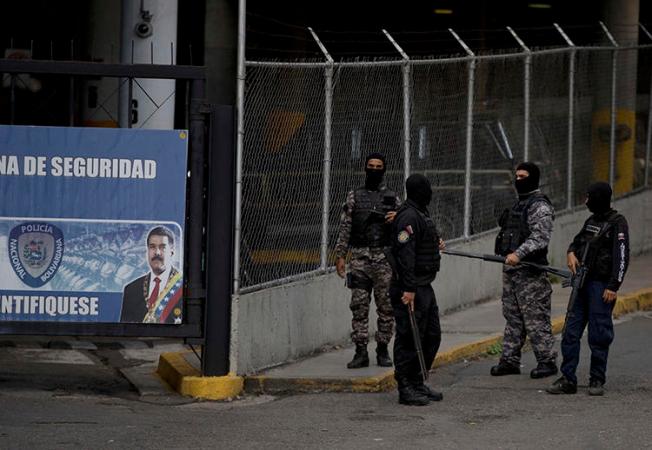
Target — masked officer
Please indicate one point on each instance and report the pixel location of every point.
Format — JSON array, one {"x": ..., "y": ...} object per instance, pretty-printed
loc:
[
  {"x": 415, "y": 259},
  {"x": 606, "y": 234},
  {"x": 525, "y": 232},
  {"x": 364, "y": 229}
]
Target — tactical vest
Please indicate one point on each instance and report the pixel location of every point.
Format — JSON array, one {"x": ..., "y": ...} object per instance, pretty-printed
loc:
[
  {"x": 514, "y": 229},
  {"x": 427, "y": 251},
  {"x": 369, "y": 228},
  {"x": 599, "y": 258}
]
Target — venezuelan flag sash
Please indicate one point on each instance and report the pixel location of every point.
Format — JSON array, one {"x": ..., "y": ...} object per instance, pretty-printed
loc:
[{"x": 167, "y": 300}]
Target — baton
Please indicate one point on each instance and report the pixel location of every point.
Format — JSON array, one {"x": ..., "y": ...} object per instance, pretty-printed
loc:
[{"x": 417, "y": 343}]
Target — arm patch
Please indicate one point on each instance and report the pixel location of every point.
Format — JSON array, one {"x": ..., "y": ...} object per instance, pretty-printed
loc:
[{"x": 403, "y": 236}]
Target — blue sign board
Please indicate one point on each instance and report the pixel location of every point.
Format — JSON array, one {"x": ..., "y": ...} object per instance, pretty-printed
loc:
[{"x": 91, "y": 224}]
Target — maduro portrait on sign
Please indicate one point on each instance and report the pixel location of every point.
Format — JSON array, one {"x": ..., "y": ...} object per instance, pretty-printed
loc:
[{"x": 156, "y": 296}]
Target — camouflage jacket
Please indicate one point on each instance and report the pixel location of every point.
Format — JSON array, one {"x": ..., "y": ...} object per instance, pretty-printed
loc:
[{"x": 540, "y": 221}]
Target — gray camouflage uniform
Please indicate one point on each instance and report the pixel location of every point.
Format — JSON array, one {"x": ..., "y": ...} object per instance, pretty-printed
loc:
[
  {"x": 526, "y": 295},
  {"x": 370, "y": 264}
]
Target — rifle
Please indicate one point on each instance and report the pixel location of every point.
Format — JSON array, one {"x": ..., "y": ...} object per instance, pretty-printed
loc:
[
  {"x": 563, "y": 273},
  {"x": 575, "y": 282},
  {"x": 417, "y": 343}
]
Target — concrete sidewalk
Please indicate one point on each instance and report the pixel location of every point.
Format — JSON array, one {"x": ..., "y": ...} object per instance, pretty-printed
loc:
[{"x": 468, "y": 333}]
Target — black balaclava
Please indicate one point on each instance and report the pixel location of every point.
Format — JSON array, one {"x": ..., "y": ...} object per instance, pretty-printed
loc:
[
  {"x": 599, "y": 197},
  {"x": 418, "y": 190},
  {"x": 374, "y": 176},
  {"x": 530, "y": 183}
]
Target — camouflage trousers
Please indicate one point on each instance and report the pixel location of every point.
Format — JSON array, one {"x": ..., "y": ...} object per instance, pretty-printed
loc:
[
  {"x": 526, "y": 308},
  {"x": 369, "y": 271}
]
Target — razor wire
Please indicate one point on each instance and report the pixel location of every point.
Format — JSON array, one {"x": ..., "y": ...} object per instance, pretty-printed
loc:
[{"x": 572, "y": 138}]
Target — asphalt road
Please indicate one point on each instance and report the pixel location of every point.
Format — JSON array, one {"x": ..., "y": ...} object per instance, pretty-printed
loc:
[{"x": 92, "y": 406}]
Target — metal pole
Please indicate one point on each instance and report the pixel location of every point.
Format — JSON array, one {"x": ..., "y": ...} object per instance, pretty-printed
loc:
[
  {"x": 612, "y": 137},
  {"x": 508, "y": 148},
  {"x": 195, "y": 294},
  {"x": 328, "y": 117},
  {"x": 219, "y": 241},
  {"x": 648, "y": 140},
  {"x": 407, "y": 106},
  {"x": 71, "y": 102},
  {"x": 469, "y": 135},
  {"x": 130, "y": 102},
  {"x": 526, "y": 94},
  {"x": 12, "y": 99},
  {"x": 241, "y": 77},
  {"x": 571, "y": 117},
  {"x": 407, "y": 117},
  {"x": 239, "y": 143}
]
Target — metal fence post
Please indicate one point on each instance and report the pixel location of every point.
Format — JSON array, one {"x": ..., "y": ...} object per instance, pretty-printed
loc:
[
  {"x": 571, "y": 117},
  {"x": 612, "y": 133},
  {"x": 240, "y": 100},
  {"x": 237, "y": 228},
  {"x": 407, "y": 106},
  {"x": 469, "y": 135},
  {"x": 526, "y": 94},
  {"x": 648, "y": 138},
  {"x": 328, "y": 117},
  {"x": 407, "y": 117}
]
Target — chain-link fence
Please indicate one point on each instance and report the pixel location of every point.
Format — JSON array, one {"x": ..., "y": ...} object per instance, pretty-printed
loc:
[{"x": 581, "y": 113}]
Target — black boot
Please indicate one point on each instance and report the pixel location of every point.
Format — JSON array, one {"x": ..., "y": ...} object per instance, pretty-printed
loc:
[
  {"x": 429, "y": 392},
  {"x": 382, "y": 356},
  {"x": 596, "y": 387},
  {"x": 361, "y": 357},
  {"x": 408, "y": 395},
  {"x": 562, "y": 386},
  {"x": 544, "y": 370},
  {"x": 505, "y": 369}
]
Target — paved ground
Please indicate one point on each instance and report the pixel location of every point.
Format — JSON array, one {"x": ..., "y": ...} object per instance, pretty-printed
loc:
[{"x": 46, "y": 405}]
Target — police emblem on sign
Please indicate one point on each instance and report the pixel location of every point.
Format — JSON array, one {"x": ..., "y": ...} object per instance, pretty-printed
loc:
[{"x": 35, "y": 252}]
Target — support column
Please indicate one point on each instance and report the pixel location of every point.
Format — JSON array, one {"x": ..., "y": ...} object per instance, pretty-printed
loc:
[
  {"x": 621, "y": 20},
  {"x": 220, "y": 54},
  {"x": 148, "y": 29}
]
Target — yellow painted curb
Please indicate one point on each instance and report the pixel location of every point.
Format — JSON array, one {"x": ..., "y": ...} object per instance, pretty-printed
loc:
[
  {"x": 260, "y": 384},
  {"x": 186, "y": 380}
]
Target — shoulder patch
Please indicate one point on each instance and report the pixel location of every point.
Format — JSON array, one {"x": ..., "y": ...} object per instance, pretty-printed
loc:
[{"x": 403, "y": 236}]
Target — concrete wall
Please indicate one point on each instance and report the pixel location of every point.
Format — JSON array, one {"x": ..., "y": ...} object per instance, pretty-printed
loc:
[{"x": 283, "y": 323}]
